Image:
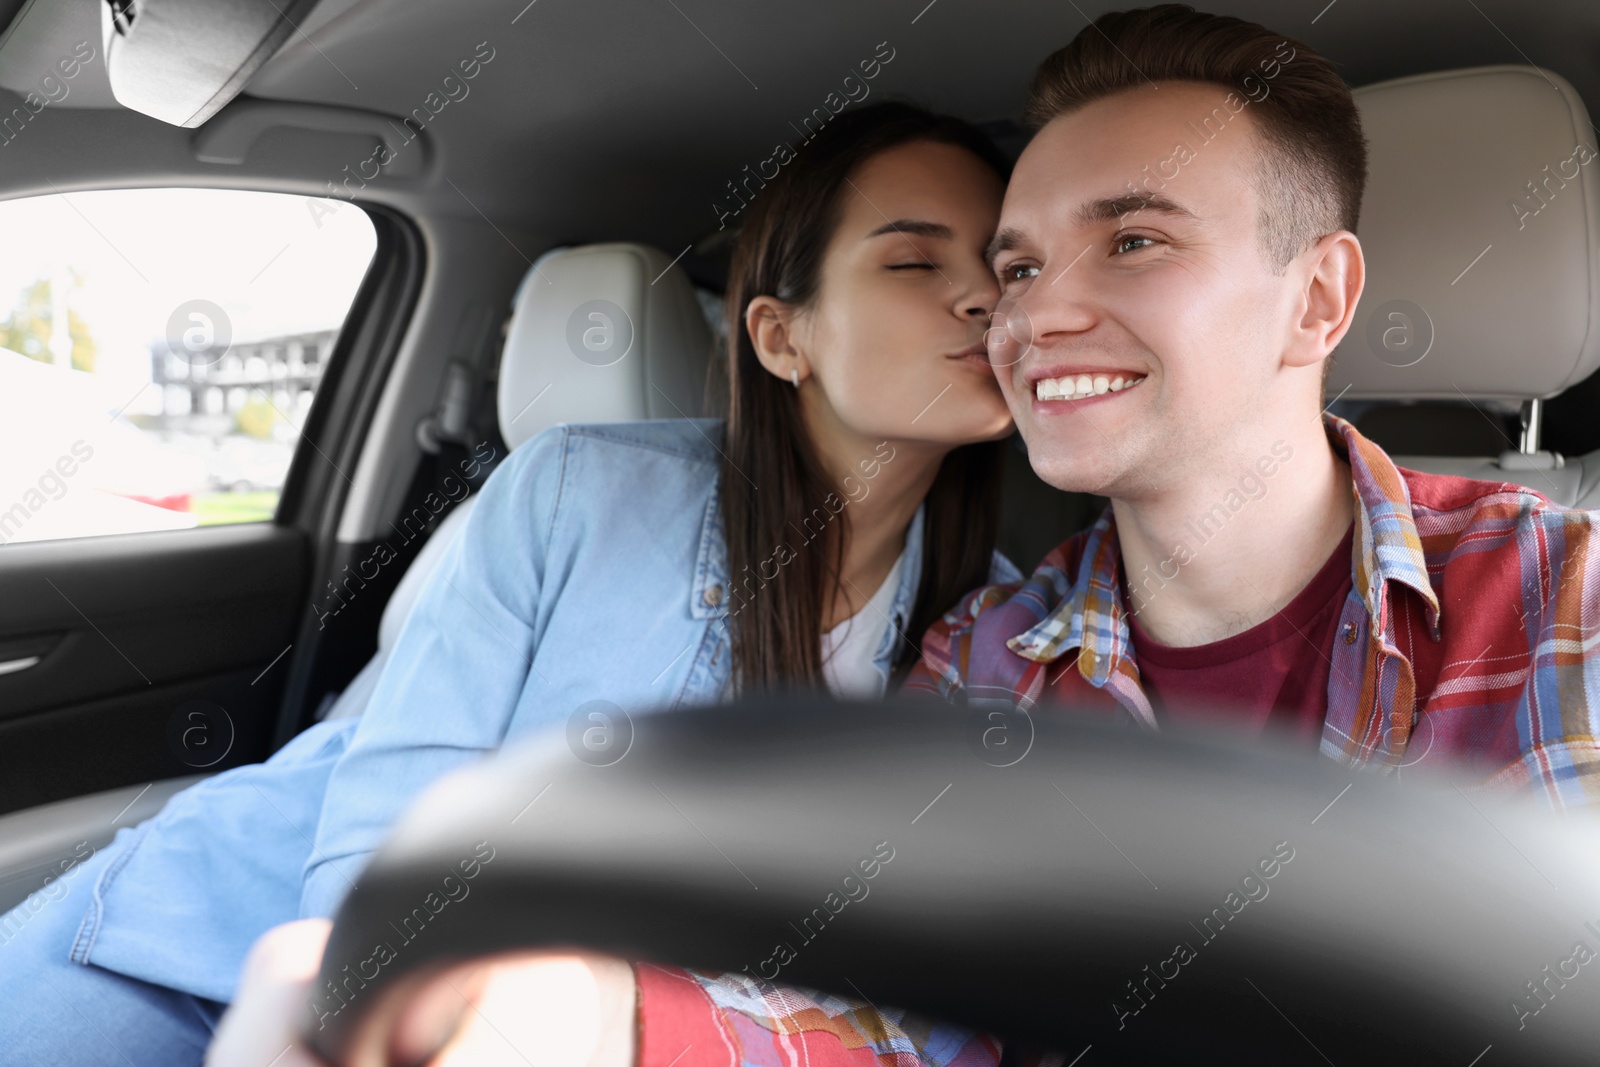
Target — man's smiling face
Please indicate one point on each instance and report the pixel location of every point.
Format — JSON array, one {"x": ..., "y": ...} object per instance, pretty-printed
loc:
[{"x": 1164, "y": 284}]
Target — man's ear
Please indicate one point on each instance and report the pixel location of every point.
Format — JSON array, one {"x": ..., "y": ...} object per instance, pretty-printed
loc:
[
  {"x": 1337, "y": 273},
  {"x": 773, "y": 328}
]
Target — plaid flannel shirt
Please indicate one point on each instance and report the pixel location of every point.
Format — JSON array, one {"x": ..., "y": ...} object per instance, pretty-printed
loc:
[
  {"x": 1470, "y": 635},
  {"x": 700, "y": 1019}
]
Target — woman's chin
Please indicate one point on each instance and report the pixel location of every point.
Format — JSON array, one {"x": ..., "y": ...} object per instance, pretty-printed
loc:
[{"x": 978, "y": 424}]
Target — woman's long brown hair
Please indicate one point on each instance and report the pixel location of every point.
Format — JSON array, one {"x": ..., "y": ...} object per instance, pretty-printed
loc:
[{"x": 772, "y": 479}]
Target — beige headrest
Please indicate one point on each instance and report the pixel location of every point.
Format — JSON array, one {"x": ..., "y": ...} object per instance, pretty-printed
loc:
[
  {"x": 1480, "y": 229},
  {"x": 602, "y": 333}
]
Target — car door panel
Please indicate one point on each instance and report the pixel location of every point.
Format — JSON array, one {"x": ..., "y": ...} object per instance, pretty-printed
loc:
[
  {"x": 156, "y": 655},
  {"x": 45, "y": 843}
]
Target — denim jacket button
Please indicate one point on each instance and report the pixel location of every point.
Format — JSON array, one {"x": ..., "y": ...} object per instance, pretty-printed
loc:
[{"x": 712, "y": 596}]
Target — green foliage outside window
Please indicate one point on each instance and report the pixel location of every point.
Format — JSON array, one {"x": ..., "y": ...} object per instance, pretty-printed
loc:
[{"x": 27, "y": 328}]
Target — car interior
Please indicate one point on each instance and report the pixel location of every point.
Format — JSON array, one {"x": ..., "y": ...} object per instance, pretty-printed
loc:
[{"x": 588, "y": 159}]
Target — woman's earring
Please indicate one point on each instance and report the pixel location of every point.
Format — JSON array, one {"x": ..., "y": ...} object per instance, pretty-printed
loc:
[{"x": 794, "y": 376}]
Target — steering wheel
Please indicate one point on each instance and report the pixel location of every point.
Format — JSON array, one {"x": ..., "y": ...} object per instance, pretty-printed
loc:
[{"x": 1063, "y": 883}]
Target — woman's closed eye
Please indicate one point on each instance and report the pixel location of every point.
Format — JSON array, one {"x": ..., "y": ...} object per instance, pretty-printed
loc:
[{"x": 920, "y": 264}]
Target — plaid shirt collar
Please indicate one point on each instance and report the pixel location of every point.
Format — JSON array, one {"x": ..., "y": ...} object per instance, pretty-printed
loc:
[{"x": 1092, "y": 618}]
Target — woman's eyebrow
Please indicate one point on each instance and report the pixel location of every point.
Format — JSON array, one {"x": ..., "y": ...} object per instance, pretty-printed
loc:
[{"x": 915, "y": 226}]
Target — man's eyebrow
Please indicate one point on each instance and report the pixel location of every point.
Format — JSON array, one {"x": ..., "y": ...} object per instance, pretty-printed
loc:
[
  {"x": 1113, "y": 208},
  {"x": 1004, "y": 241},
  {"x": 918, "y": 227}
]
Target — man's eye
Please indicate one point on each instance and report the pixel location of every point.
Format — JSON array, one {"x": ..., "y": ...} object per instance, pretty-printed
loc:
[
  {"x": 1132, "y": 243},
  {"x": 1016, "y": 272}
]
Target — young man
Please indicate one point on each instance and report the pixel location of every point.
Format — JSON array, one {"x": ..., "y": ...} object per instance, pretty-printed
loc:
[{"x": 1177, "y": 262}]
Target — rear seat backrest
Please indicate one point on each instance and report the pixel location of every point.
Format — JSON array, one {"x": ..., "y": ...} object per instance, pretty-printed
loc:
[
  {"x": 1481, "y": 226},
  {"x": 646, "y": 356}
]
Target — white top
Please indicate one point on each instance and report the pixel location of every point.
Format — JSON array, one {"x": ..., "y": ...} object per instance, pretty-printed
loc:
[{"x": 850, "y": 647}]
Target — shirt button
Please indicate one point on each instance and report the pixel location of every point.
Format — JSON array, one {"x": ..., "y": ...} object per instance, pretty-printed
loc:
[
  {"x": 712, "y": 596},
  {"x": 1349, "y": 633}
]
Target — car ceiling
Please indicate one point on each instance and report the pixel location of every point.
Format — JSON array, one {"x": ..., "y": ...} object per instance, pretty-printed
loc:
[{"x": 624, "y": 119}]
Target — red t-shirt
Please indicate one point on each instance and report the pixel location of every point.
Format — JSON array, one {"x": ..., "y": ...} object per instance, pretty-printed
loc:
[{"x": 1275, "y": 672}]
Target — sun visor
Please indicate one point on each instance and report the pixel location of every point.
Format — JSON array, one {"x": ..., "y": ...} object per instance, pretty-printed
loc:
[{"x": 180, "y": 61}]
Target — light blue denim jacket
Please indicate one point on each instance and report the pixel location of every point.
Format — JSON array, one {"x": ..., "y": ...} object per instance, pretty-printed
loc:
[{"x": 593, "y": 567}]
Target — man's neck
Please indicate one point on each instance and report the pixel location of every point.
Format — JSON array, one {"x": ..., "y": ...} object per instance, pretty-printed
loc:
[{"x": 1226, "y": 552}]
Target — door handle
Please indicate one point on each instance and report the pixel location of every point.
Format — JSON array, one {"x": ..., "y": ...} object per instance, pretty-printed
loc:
[
  {"x": 12, "y": 666},
  {"x": 21, "y": 653}
]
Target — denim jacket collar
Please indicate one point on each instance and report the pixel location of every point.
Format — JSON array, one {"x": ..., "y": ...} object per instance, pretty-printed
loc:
[
  {"x": 708, "y": 593},
  {"x": 711, "y": 590},
  {"x": 905, "y": 594}
]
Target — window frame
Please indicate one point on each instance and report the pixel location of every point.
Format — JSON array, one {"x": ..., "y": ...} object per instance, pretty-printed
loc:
[{"x": 333, "y": 439}]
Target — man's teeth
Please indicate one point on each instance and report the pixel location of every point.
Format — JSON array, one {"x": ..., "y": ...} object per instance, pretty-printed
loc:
[{"x": 1077, "y": 387}]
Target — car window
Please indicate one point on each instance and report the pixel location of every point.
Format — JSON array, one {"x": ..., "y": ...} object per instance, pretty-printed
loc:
[{"x": 159, "y": 352}]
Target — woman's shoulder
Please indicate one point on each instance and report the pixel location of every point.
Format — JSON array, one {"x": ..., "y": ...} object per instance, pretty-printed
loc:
[
  {"x": 582, "y": 488},
  {"x": 691, "y": 440},
  {"x": 691, "y": 444},
  {"x": 594, "y": 467}
]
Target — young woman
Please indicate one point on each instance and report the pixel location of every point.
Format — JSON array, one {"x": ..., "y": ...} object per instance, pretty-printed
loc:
[{"x": 849, "y": 498}]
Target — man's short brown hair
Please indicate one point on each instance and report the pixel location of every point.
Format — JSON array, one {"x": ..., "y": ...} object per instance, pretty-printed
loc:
[{"x": 1314, "y": 161}]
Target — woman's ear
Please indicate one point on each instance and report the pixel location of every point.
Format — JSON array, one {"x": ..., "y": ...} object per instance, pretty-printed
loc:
[{"x": 773, "y": 328}]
